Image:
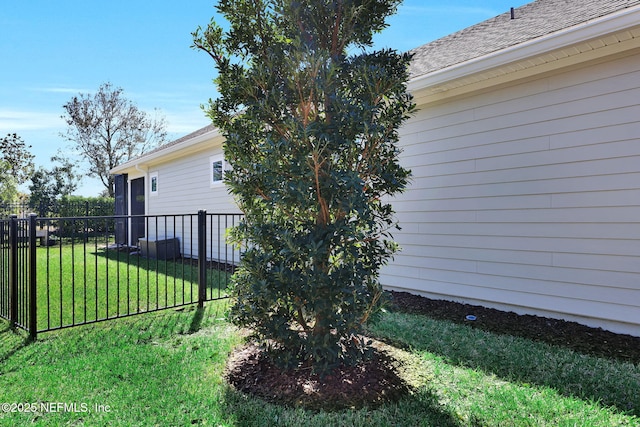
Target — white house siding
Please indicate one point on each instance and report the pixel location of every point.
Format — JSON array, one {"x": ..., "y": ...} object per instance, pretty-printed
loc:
[
  {"x": 527, "y": 197},
  {"x": 183, "y": 188}
]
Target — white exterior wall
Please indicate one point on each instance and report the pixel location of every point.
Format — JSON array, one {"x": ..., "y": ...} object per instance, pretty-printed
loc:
[
  {"x": 184, "y": 188},
  {"x": 527, "y": 197}
]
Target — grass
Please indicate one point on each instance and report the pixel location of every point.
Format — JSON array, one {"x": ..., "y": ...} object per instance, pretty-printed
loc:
[
  {"x": 84, "y": 283},
  {"x": 166, "y": 368},
  {"x": 491, "y": 379}
]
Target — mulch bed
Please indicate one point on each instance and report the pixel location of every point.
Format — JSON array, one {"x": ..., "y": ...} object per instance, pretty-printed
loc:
[
  {"x": 581, "y": 338},
  {"x": 375, "y": 382},
  {"x": 368, "y": 384}
]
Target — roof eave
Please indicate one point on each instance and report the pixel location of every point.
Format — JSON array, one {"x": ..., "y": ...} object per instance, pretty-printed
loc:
[{"x": 190, "y": 145}]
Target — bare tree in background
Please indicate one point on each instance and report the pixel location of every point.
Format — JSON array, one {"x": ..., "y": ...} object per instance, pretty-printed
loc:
[{"x": 108, "y": 130}]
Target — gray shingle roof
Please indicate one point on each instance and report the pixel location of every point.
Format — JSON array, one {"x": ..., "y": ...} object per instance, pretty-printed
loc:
[{"x": 531, "y": 21}]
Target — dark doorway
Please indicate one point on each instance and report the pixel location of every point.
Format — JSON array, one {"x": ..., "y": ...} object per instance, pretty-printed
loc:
[
  {"x": 137, "y": 208},
  {"x": 121, "y": 208}
]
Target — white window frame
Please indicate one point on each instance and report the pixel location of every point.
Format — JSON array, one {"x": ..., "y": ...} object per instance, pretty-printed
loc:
[
  {"x": 215, "y": 159},
  {"x": 153, "y": 176}
]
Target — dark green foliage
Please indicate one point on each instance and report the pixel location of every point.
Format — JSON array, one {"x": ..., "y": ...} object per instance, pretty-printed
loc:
[
  {"x": 49, "y": 186},
  {"x": 77, "y": 207},
  {"x": 74, "y": 206},
  {"x": 311, "y": 138},
  {"x": 15, "y": 154},
  {"x": 16, "y": 164}
]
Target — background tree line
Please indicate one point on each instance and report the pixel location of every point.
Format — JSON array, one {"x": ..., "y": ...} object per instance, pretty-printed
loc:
[{"x": 105, "y": 129}]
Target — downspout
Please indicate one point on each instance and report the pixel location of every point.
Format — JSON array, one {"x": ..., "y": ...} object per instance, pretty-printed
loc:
[{"x": 139, "y": 169}]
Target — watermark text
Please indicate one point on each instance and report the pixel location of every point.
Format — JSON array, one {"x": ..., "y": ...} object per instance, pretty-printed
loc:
[{"x": 52, "y": 407}]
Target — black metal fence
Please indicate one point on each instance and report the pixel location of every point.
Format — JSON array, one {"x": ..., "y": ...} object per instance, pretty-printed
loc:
[
  {"x": 62, "y": 272},
  {"x": 16, "y": 282}
]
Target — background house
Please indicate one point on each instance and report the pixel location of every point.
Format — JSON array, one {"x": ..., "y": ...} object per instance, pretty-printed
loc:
[{"x": 525, "y": 155}]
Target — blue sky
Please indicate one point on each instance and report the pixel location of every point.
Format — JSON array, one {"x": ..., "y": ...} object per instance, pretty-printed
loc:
[{"x": 53, "y": 50}]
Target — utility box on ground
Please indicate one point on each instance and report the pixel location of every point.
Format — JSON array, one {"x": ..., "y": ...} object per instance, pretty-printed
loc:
[{"x": 160, "y": 249}]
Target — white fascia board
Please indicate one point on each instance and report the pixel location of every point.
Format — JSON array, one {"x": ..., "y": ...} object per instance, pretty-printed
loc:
[
  {"x": 176, "y": 150},
  {"x": 627, "y": 18}
]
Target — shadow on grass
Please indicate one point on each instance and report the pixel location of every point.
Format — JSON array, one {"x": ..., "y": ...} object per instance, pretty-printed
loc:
[
  {"x": 11, "y": 341},
  {"x": 138, "y": 329},
  {"x": 184, "y": 320},
  {"x": 421, "y": 408},
  {"x": 196, "y": 320},
  {"x": 516, "y": 359},
  {"x": 571, "y": 335},
  {"x": 84, "y": 284},
  {"x": 183, "y": 269}
]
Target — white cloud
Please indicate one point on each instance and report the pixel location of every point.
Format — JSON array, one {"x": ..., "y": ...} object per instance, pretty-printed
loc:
[
  {"x": 70, "y": 90},
  {"x": 180, "y": 123},
  {"x": 15, "y": 121},
  {"x": 181, "y": 110}
]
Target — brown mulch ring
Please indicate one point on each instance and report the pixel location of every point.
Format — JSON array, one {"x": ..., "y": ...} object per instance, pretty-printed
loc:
[
  {"x": 369, "y": 384},
  {"x": 377, "y": 380}
]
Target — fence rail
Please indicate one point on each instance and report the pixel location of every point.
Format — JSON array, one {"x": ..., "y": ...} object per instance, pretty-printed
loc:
[{"x": 61, "y": 272}]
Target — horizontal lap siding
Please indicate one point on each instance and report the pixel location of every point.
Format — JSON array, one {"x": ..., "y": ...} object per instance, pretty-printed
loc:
[
  {"x": 183, "y": 188},
  {"x": 528, "y": 197}
]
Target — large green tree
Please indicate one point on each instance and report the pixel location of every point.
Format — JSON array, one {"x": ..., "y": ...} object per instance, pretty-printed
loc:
[
  {"x": 311, "y": 120},
  {"x": 109, "y": 129}
]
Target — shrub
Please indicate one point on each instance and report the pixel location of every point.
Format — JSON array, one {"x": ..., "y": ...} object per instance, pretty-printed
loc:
[{"x": 311, "y": 138}]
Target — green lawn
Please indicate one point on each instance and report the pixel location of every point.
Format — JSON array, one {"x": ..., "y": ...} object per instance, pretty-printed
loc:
[
  {"x": 84, "y": 283},
  {"x": 166, "y": 368}
]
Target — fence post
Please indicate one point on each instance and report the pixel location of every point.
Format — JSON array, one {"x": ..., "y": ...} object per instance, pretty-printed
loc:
[
  {"x": 13, "y": 270},
  {"x": 33, "y": 327},
  {"x": 202, "y": 257}
]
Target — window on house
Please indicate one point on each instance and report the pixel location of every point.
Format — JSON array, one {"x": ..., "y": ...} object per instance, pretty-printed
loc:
[
  {"x": 216, "y": 169},
  {"x": 153, "y": 183}
]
